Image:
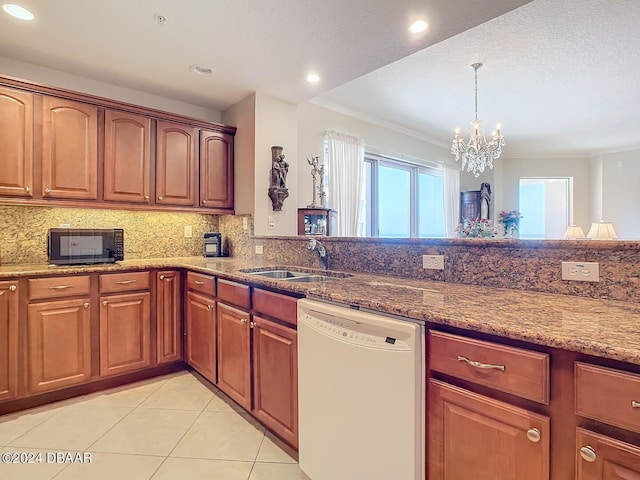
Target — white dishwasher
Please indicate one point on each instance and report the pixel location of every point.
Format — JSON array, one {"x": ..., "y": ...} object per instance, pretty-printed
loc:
[{"x": 360, "y": 394}]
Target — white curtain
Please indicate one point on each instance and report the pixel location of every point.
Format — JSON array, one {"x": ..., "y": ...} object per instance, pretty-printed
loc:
[
  {"x": 451, "y": 181},
  {"x": 346, "y": 176}
]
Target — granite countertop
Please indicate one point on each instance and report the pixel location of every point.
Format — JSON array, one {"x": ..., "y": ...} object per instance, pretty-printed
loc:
[{"x": 603, "y": 328}]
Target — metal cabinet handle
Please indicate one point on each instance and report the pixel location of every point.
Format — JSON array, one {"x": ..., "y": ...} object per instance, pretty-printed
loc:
[
  {"x": 160, "y": 198},
  {"x": 635, "y": 404},
  {"x": 105, "y": 303},
  {"x": 12, "y": 288},
  {"x": 27, "y": 189},
  {"x": 252, "y": 324},
  {"x": 47, "y": 190},
  {"x": 161, "y": 277},
  {"x": 146, "y": 197},
  {"x": 475, "y": 364},
  {"x": 243, "y": 321},
  {"x": 60, "y": 287},
  {"x": 198, "y": 282},
  {"x": 204, "y": 201},
  {"x": 209, "y": 307},
  {"x": 588, "y": 454},
  {"x": 85, "y": 304},
  {"x": 533, "y": 434},
  {"x": 126, "y": 282}
]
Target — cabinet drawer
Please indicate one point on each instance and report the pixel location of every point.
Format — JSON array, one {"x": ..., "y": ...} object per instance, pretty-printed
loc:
[
  {"x": 512, "y": 370},
  {"x": 124, "y": 282},
  {"x": 234, "y": 293},
  {"x": 201, "y": 283},
  {"x": 608, "y": 395},
  {"x": 57, "y": 287},
  {"x": 276, "y": 305}
]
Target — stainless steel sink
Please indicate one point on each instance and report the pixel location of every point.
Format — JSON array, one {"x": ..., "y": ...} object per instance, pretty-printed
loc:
[
  {"x": 309, "y": 278},
  {"x": 280, "y": 274},
  {"x": 290, "y": 275}
]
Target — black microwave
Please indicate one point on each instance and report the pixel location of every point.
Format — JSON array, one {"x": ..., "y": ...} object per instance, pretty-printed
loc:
[{"x": 73, "y": 246}]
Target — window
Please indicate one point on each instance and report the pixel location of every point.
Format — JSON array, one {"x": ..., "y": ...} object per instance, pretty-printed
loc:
[
  {"x": 546, "y": 206},
  {"x": 402, "y": 199}
]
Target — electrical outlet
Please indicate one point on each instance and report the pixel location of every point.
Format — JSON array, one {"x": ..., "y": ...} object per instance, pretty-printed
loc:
[
  {"x": 272, "y": 223},
  {"x": 245, "y": 223},
  {"x": 65, "y": 225},
  {"x": 188, "y": 231},
  {"x": 433, "y": 262},
  {"x": 259, "y": 249},
  {"x": 581, "y": 271}
]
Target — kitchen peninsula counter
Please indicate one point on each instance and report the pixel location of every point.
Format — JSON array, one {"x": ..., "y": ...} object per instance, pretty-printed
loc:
[{"x": 603, "y": 328}]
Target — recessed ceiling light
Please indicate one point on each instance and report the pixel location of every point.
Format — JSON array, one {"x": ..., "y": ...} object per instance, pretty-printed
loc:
[
  {"x": 201, "y": 70},
  {"x": 18, "y": 11},
  {"x": 418, "y": 26},
  {"x": 313, "y": 78}
]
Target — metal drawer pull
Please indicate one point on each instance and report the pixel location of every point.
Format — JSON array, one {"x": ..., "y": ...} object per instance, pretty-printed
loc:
[
  {"x": 105, "y": 303},
  {"x": 161, "y": 277},
  {"x": 635, "y": 404},
  {"x": 27, "y": 189},
  {"x": 243, "y": 321},
  {"x": 61, "y": 287},
  {"x": 209, "y": 307},
  {"x": 47, "y": 190},
  {"x": 533, "y": 434},
  {"x": 198, "y": 282},
  {"x": 126, "y": 282},
  {"x": 252, "y": 324},
  {"x": 85, "y": 304},
  {"x": 12, "y": 288},
  {"x": 588, "y": 454},
  {"x": 473, "y": 363}
]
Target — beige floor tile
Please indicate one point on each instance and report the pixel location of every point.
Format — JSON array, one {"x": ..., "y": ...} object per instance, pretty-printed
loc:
[
  {"x": 221, "y": 436},
  {"x": 199, "y": 469},
  {"x": 19, "y": 423},
  {"x": 112, "y": 466},
  {"x": 74, "y": 428},
  {"x": 39, "y": 470},
  {"x": 274, "y": 450},
  {"x": 221, "y": 403},
  {"x": 183, "y": 392},
  {"x": 125, "y": 396},
  {"x": 147, "y": 432},
  {"x": 277, "y": 471}
]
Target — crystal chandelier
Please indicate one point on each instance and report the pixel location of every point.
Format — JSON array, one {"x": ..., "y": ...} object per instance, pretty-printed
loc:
[{"x": 477, "y": 154}]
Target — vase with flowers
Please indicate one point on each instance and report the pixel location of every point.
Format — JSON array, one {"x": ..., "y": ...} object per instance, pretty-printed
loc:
[
  {"x": 476, "y": 229},
  {"x": 510, "y": 223}
]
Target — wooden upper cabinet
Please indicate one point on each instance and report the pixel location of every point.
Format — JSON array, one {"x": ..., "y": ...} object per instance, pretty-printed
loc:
[
  {"x": 8, "y": 340},
  {"x": 127, "y": 157},
  {"x": 176, "y": 164},
  {"x": 16, "y": 143},
  {"x": 69, "y": 149},
  {"x": 216, "y": 170}
]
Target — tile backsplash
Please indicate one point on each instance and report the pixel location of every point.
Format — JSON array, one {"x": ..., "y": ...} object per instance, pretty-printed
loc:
[{"x": 23, "y": 231}]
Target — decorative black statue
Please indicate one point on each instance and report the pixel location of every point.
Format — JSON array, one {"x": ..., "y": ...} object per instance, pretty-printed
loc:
[{"x": 279, "y": 169}]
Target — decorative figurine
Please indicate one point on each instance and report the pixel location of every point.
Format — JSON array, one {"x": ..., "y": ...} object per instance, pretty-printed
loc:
[
  {"x": 315, "y": 173},
  {"x": 278, "y": 191}
]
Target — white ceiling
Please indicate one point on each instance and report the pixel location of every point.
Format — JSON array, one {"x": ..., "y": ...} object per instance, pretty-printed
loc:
[
  {"x": 265, "y": 46},
  {"x": 561, "y": 76}
]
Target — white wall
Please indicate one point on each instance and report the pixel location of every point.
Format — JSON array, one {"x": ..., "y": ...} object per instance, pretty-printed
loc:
[
  {"x": 55, "y": 78},
  {"x": 509, "y": 171},
  {"x": 243, "y": 116},
  {"x": 621, "y": 192},
  {"x": 276, "y": 123}
]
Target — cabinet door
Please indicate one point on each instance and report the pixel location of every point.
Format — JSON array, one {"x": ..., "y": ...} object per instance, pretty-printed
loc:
[
  {"x": 16, "y": 143},
  {"x": 216, "y": 170},
  {"x": 234, "y": 355},
  {"x": 58, "y": 344},
  {"x": 472, "y": 436},
  {"x": 275, "y": 378},
  {"x": 168, "y": 326},
  {"x": 200, "y": 330},
  {"x": 8, "y": 340},
  {"x": 603, "y": 458},
  {"x": 176, "y": 167},
  {"x": 125, "y": 333},
  {"x": 127, "y": 157},
  {"x": 69, "y": 149}
]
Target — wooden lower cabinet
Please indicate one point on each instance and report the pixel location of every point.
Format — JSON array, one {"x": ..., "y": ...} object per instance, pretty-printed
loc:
[
  {"x": 125, "y": 333},
  {"x": 476, "y": 437},
  {"x": 200, "y": 335},
  {"x": 234, "y": 360},
  {"x": 58, "y": 344},
  {"x": 168, "y": 325},
  {"x": 602, "y": 458},
  {"x": 275, "y": 378},
  {"x": 8, "y": 340}
]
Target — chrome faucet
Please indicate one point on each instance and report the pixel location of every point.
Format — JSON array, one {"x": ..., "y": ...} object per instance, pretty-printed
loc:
[{"x": 322, "y": 252}]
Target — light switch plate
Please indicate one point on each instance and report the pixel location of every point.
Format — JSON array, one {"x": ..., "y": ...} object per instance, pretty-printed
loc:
[
  {"x": 245, "y": 223},
  {"x": 188, "y": 231},
  {"x": 581, "y": 271},
  {"x": 433, "y": 262}
]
